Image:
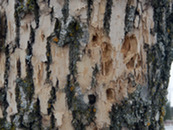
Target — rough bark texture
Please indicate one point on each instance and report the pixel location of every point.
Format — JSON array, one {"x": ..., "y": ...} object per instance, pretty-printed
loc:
[{"x": 84, "y": 64}]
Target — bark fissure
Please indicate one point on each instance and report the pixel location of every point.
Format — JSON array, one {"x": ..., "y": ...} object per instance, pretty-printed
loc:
[
  {"x": 7, "y": 66},
  {"x": 18, "y": 68},
  {"x": 3, "y": 91},
  {"x": 65, "y": 10},
  {"x": 28, "y": 115},
  {"x": 22, "y": 8},
  {"x": 90, "y": 9},
  {"x": 49, "y": 60},
  {"x": 6, "y": 71},
  {"x": 17, "y": 23},
  {"x": 130, "y": 17},
  {"x": 50, "y": 108},
  {"x": 3, "y": 30},
  {"x": 107, "y": 16},
  {"x": 94, "y": 74},
  {"x": 4, "y": 49}
]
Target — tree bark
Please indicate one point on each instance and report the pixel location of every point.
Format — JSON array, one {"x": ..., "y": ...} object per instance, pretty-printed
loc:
[{"x": 84, "y": 64}]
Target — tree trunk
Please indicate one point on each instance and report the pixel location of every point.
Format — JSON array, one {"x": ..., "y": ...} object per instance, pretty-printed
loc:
[{"x": 84, "y": 64}]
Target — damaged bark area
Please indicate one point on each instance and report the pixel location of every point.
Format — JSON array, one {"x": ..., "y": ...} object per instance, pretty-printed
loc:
[
  {"x": 95, "y": 64},
  {"x": 132, "y": 58}
]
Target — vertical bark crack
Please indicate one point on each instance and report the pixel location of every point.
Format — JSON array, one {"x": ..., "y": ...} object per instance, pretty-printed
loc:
[
  {"x": 28, "y": 115},
  {"x": 90, "y": 9},
  {"x": 107, "y": 16},
  {"x": 65, "y": 10}
]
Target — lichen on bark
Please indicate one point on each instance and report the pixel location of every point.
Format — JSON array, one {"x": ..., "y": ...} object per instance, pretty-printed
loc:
[
  {"x": 130, "y": 17},
  {"x": 83, "y": 114},
  {"x": 98, "y": 67},
  {"x": 107, "y": 16},
  {"x": 148, "y": 111},
  {"x": 22, "y": 8},
  {"x": 28, "y": 115}
]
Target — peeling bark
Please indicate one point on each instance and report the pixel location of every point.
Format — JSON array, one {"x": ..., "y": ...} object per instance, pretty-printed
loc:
[{"x": 84, "y": 64}]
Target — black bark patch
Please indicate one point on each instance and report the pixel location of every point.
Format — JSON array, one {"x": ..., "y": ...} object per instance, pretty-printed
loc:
[
  {"x": 52, "y": 14},
  {"x": 49, "y": 60},
  {"x": 48, "y": 2},
  {"x": 7, "y": 66},
  {"x": 21, "y": 9},
  {"x": 65, "y": 10},
  {"x": 3, "y": 101},
  {"x": 36, "y": 13},
  {"x": 52, "y": 121},
  {"x": 92, "y": 99},
  {"x": 51, "y": 101},
  {"x": 3, "y": 91},
  {"x": 17, "y": 22},
  {"x": 28, "y": 58},
  {"x": 18, "y": 68},
  {"x": 24, "y": 7},
  {"x": 107, "y": 16},
  {"x": 94, "y": 74},
  {"x": 90, "y": 9},
  {"x": 3, "y": 30},
  {"x": 36, "y": 115},
  {"x": 57, "y": 85},
  {"x": 129, "y": 18},
  {"x": 57, "y": 28},
  {"x": 4, "y": 124},
  {"x": 28, "y": 116}
]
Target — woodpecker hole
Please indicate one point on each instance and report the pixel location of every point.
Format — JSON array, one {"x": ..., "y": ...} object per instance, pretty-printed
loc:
[
  {"x": 110, "y": 94},
  {"x": 94, "y": 38},
  {"x": 92, "y": 99}
]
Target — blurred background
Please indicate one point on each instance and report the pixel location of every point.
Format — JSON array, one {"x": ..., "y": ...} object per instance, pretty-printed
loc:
[{"x": 169, "y": 106}]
